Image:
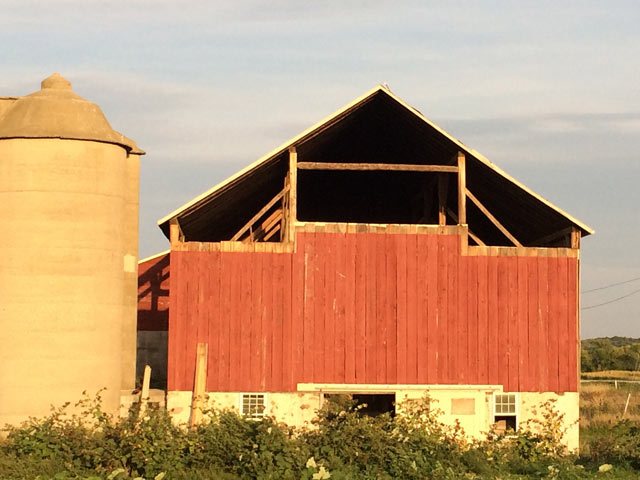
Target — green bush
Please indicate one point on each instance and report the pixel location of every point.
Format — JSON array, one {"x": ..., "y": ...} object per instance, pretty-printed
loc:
[
  {"x": 617, "y": 444},
  {"x": 342, "y": 444}
]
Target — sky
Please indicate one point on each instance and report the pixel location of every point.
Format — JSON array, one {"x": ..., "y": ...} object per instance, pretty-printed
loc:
[{"x": 547, "y": 90}]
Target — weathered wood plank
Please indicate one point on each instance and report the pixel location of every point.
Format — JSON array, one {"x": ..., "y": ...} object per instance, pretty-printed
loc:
[
  {"x": 397, "y": 167},
  {"x": 462, "y": 188}
]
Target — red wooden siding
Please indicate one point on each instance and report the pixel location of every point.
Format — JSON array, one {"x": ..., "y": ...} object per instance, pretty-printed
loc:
[{"x": 373, "y": 308}]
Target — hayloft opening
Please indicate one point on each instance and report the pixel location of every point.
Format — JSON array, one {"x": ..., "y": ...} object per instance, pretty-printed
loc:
[{"x": 373, "y": 196}]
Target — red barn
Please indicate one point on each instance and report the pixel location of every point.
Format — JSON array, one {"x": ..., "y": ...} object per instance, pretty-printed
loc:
[{"x": 375, "y": 254}]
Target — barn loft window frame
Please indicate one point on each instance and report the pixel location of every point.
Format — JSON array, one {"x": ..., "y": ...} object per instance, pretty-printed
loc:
[
  {"x": 512, "y": 399},
  {"x": 253, "y": 406}
]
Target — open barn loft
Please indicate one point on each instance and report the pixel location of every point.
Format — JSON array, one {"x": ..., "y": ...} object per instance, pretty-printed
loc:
[{"x": 376, "y": 161}]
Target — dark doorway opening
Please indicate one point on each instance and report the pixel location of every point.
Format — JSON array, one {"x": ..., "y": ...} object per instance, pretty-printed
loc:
[
  {"x": 375, "y": 404},
  {"x": 505, "y": 422}
]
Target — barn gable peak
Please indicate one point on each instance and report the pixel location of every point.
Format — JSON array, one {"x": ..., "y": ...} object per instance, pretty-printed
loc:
[{"x": 376, "y": 160}]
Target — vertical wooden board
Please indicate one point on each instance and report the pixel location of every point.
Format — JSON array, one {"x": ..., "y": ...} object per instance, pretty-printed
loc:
[
  {"x": 553, "y": 322},
  {"x": 266, "y": 337},
  {"x": 532, "y": 377},
  {"x": 226, "y": 312},
  {"x": 255, "y": 364},
  {"x": 564, "y": 346},
  {"x": 542, "y": 353},
  {"x": 234, "y": 320},
  {"x": 330, "y": 305},
  {"x": 191, "y": 264},
  {"x": 401, "y": 307},
  {"x": 421, "y": 297},
  {"x": 370, "y": 314},
  {"x": 297, "y": 308},
  {"x": 287, "y": 329},
  {"x": 572, "y": 327},
  {"x": 442, "y": 317},
  {"x": 493, "y": 331},
  {"x": 183, "y": 318},
  {"x": 277, "y": 323},
  {"x": 341, "y": 282},
  {"x": 361, "y": 287},
  {"x": 524, "y": 374},
  {"x": 392, "y": 307},
  {"x": 461, "y": 371},
  {"x": 382, "y": 300},
  {"x": 483, "y": 318},
  {"x": 203, "y": 314},
  {"x": 413, "y": 317},
  {"x": 309, "y": 306},
  {"x": 173, "y": 346},
  {"x": 430, "y": 315},
  {"x": 350, "y": 308},
  {"x": 453, "y": 325},
  {"x": 241, "y": 371},
  {"x": 504, "y": 327},
  {"x": 471, "y": 294},
  {"x": 319, "y": 339},
  {"x": 514, "y": 324},
  {"x": 213, "y": 299}
]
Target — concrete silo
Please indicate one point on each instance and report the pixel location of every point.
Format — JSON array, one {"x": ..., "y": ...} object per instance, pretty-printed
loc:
[{"x": 69, "y": 211}]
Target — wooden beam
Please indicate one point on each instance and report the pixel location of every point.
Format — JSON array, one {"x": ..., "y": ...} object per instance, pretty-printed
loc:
[
  {"x": 257, "y": 216},
  {"x": 271, "y": 233},
  {"x": 443, "y": 184},
  {"x": 399, "y": 167},
  {"x": 292, "y": 216},
  {"x": 475, "y": 238},
  {"x": 199, "y": 384},
  {"x": 493, "y": 219},
  {"x": 175, "y": 232},
  {"x": 284, "y": 226},
  {"x": 575, "y": 238},
  {"x": 462, "y": 187}
]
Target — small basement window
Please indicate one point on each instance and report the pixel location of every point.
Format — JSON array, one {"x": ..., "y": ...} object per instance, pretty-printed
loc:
[
  {"x": 253, "y": 405},
  {"x": 505, "y": 411}
]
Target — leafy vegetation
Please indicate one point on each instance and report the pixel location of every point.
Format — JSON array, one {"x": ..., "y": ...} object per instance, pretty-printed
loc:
[
  {"x": 343, "y": 444},
  {"x": 614, "y": 353}
]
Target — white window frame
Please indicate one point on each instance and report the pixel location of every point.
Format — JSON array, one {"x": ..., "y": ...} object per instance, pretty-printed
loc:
[
  {"x": 255, "y": 415},
  {"x": 515, "y": 414}
]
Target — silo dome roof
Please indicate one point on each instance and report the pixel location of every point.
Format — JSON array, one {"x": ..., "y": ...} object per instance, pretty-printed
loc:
[{"x": 56, "y": 111}]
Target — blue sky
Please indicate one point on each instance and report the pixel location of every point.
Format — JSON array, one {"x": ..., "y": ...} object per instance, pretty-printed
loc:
[{"x": 547, "y": 90}]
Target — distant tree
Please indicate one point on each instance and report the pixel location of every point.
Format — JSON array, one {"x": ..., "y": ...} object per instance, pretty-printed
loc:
[{"x": 615, "y": 353}]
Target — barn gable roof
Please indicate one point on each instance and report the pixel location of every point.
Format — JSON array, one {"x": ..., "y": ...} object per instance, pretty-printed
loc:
[{"x": 377, "y": 127}]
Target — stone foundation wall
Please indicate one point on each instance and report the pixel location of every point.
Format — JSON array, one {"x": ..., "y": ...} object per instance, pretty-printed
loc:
[{"x": 471, "y": 406}]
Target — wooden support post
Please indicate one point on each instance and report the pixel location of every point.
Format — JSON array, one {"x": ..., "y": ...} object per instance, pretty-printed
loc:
[
  {"x": 462, "y": 188},
  {"x": 293, "y": 195},
  {"x": 199, "y": 384},
  {"x": 575, "y": 238},
  {"x": 144, "y": 393},
  {"x": 443, "y": 183},
  {"x": 175, "y": 232}
]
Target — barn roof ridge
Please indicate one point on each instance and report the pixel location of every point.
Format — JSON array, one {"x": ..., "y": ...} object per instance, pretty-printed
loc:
[{"x": 335, "y": 117}]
